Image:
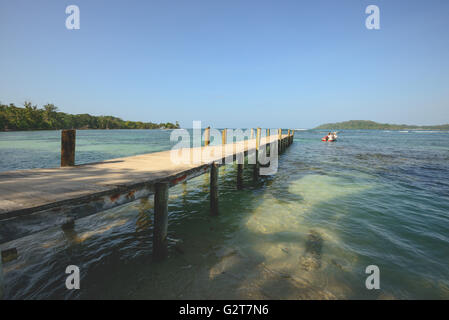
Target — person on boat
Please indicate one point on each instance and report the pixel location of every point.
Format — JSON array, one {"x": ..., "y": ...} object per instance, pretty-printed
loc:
[{"x": 328, "y": 136}]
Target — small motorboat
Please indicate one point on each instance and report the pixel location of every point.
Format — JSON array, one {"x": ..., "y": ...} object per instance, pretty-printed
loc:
[{"x": 330, "y": 137}]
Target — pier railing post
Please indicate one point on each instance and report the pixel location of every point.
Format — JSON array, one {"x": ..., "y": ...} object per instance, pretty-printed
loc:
[
  {"x": 214, "y": 189},
  {"x": 68, "y": 138},
  {"x": 223, "y": 137},
  {"x": 285, "y": 144},
  {"x": 224, "y": 140},
  {"x": 207, "y": 136},
  {"x": 279, "y": 141},
  {"x": 282, "y": 143},
  {"x": 160, "y": 220},
  {"x": 268, "y": 145}
]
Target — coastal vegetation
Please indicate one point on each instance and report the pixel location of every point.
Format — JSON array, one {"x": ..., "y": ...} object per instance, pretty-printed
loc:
[
  {"x": 30, "y": 117},
  {"x": 366, "y": 124}
]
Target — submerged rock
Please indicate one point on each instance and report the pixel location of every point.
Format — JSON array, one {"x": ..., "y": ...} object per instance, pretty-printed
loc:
[{"x": 311, "y": 260}]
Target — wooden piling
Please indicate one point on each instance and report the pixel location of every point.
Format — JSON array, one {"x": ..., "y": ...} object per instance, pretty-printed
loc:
[
  {"x": 184, "y": 193},
  {"x": 207, "y": 136},
  {"x": 288, "y": 137},
  {"x": 214, "y": 189},
  {"x": 239, "y": 176},
  {"x": 160, "y": 249},
  {"x": 68, "y": 138},
  {"x": 256, "y": 165}
]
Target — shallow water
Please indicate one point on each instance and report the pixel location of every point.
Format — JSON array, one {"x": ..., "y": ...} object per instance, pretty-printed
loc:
[{"x": 308, "y": 232}]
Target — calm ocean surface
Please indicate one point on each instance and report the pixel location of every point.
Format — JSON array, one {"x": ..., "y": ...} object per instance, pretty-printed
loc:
[{"x": 308, "y": 232}]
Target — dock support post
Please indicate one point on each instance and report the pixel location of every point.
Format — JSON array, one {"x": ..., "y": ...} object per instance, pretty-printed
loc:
[
  {"x": 214, "y": 189},
  {"x": 288, "y": 139},
  {"x": 239, "y": 176},
  {"x": 256, "y": 165},
  {"x": 160, "y": 220},
  {"x": 68, "y": 138},
  {"x": 207, "y": 136}
]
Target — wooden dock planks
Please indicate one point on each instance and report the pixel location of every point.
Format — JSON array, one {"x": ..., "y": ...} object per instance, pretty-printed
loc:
[{"x": 37, "y": 199}]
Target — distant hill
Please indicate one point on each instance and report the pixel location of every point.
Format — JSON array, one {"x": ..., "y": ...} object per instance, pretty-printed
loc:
[{"x": 366, "y": 124}]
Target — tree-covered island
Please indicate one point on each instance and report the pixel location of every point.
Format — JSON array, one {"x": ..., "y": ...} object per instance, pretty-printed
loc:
[
  {"x": 366, "y": 124},
  {"x": 30, "y": 117}
]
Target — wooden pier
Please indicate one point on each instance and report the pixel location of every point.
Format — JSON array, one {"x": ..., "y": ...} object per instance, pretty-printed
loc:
[{"x": 37, "y": 199}]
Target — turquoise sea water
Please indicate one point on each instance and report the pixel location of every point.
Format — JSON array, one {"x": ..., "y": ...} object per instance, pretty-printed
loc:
[{"x": 308, "y": 232}]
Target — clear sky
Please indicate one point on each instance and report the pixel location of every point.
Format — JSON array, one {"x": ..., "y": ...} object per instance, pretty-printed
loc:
[{"x": 230, "y": 63}]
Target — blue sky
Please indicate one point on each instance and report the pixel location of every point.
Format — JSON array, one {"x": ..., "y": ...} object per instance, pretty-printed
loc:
[{"x": 230, "y": 63}]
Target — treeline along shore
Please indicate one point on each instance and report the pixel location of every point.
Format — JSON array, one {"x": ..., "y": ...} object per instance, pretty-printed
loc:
[{"x": 30, "y": 117}]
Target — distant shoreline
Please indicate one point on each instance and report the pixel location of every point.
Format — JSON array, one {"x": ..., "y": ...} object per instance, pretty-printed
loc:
[
  {"x": 371, "y": 125},
  {"x": 84, "y": 129},
  {"x": 31, "y": 118}
]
